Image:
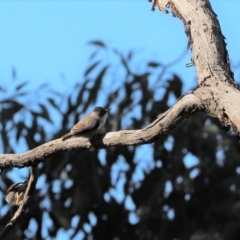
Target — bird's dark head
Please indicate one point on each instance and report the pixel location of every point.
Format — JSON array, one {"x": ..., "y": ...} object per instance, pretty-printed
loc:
[
  {"x": 18, "y": 187},
  {"x": 101, "y": 111}
]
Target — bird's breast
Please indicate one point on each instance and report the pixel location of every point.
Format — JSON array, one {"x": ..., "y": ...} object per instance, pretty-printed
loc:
[{"x": 102, "y": 121}]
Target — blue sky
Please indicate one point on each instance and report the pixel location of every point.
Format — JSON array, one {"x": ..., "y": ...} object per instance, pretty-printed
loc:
[{"x": 46, "y": 41}]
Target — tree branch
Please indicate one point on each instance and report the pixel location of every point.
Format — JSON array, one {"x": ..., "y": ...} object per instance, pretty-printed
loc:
[
  {"x": 209, "y": 53},
  {"x": 23, "y": 206},
  {"x": 160, "y": 127}
]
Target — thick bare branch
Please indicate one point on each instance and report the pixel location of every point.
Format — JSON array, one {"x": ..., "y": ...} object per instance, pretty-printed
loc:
[
  {"x": 218, "y": 92},
  {"x": 161, "y": 126},
  {"x": 209, "y": 53},
  {"x": 221, "y": 102}
]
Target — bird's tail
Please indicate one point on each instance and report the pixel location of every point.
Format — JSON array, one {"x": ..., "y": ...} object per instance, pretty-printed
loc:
[{"x": 65, "y": 137}]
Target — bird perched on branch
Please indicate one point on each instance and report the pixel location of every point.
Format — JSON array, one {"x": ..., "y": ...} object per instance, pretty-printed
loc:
[
  {"x": 15, "y": 193},
  {"x": 90, "y": 125}
]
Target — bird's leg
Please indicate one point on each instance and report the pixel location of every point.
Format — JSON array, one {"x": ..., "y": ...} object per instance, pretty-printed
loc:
[{"x": 19, "y": 198}]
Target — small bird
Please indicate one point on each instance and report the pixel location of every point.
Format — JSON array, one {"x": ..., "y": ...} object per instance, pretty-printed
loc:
[
  {"x": 15, "y": 193},
  {"x": 90, "y": 125}
]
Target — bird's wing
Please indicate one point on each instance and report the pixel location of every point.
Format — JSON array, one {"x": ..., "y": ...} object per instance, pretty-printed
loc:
[{"x": 83, "y": 128}]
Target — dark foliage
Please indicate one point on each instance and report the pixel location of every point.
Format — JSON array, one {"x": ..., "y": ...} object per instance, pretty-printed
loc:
[{"x": 144, "y": 192}]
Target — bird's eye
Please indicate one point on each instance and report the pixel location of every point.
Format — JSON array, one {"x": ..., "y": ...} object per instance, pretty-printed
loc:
[{"x": 102, "y": 112}]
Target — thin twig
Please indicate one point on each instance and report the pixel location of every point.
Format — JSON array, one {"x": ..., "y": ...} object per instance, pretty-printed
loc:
[{"x": 23, "y": 206}]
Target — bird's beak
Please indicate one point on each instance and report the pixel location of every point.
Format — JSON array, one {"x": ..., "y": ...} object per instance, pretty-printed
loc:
[{"x": 108, "y": 109}]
